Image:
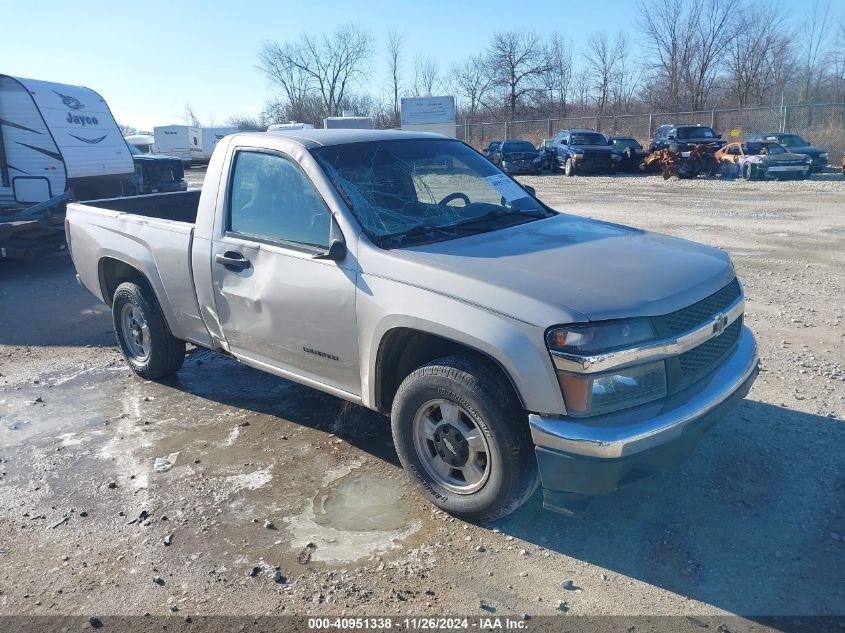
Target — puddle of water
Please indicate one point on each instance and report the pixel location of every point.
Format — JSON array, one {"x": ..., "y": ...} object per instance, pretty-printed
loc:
[
  {"x": 363, "y": 504},
  {"x": 355, "y": 517}
]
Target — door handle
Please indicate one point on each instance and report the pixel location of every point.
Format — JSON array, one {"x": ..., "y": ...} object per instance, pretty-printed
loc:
[{"x": 232, "y": 260}]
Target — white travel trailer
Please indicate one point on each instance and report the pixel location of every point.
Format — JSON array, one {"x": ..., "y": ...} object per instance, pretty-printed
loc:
[
  {"x": 56, "y": 138},
  {"x": 182, "y": 141},
  {"x": 144, "y": 143},
  {"x": 211, "y": 136}
]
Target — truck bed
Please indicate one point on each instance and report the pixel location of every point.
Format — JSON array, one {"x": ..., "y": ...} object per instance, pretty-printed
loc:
[{"x": 179, "y": 206}]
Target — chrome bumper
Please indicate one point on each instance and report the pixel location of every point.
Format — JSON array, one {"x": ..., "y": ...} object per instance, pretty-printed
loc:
[{"x": 623, "y": 434}]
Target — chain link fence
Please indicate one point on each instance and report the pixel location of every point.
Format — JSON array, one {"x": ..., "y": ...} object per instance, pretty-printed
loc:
[{"x": 822, "y": 125}]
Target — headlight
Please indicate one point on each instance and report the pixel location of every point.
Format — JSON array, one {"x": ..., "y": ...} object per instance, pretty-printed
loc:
[
  {"x": 592, "y": 394},
  {"x": 602, "y": 337},
  {"x": 578, "y": 156}
]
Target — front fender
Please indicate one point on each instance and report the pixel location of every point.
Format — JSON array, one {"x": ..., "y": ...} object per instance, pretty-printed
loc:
[{"x": 518, "y": 347}]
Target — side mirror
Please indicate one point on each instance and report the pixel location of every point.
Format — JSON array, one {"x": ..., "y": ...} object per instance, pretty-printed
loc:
[
  {"x": 718, "y": 136},
  {"x": 530, "y": 190},
  {"x": 336, "y": 252},
  {"x": 337, "y": 245}
]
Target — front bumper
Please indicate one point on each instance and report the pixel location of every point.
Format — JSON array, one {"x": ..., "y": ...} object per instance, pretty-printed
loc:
[
  {"x": 578, "y": 458},
  {"x": 520, "y": 167}
]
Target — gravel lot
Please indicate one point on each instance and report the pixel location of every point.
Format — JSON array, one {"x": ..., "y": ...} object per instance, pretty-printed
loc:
[{"x": 267, "y": 474}]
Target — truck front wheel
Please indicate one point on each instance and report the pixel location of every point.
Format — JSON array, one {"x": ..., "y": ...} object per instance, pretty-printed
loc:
[
  {"x": 144, "y": 338},
  {"x": 463, "y": 437},
  {"x": 569, "y": 167}
]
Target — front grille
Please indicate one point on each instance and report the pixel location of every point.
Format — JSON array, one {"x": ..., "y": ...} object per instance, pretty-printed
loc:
[
  {"x": 700, "y": 361},
  {"x": 691, "y": 366},
  {"x": 595, "y": 160},
  {"x": 692, "y": 316}
]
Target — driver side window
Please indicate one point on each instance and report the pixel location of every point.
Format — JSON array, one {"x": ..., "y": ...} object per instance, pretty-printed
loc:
[{"x": 273, "y": 199}]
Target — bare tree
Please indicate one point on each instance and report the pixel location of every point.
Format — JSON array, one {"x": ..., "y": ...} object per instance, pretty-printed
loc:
[
  {"x": 472, "y": 83},
  {"x": 190, "y": 117},
  {"x": 395, "y": 52},
  {"x": 686, "y": 38},
  {"x": 815, "y": 34},
  {"x": 516, "y": 62},
  {"x": 605, "y": 61},
  {"x": 581, "y": 85},
  {"x": 328, "y": 65},
  {"x": 756, "y": 62},
  {"x": 557, "y": 79},
  {"x": 426, "y": 75},
  {"x": 126, "y": 130}
]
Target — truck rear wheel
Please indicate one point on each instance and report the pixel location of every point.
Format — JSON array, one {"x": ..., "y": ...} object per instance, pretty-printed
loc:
[
  {"x": 461, "y": 434},
  {"x": 144, "y": 338}
]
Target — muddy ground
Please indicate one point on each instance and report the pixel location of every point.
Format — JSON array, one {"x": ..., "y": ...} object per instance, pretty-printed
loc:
[{"x": 260, "y": 468}]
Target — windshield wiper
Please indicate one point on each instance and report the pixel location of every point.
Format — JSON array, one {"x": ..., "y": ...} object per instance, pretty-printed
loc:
[
  {"x": 419, "y": 230},
  {"x": 501, "y": 213}
]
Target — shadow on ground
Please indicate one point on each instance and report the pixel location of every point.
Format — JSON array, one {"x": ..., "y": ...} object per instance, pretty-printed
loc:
[
  {"x": 44, "y": 306},
  {"x": 751, "y": 522}
]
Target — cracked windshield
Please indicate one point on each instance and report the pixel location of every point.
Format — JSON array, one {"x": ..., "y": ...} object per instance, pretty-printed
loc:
[{"x": 424, "y": 190}]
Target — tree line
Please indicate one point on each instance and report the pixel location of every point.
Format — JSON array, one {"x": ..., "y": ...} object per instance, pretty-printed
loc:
[{"x": 681, "y": 55}]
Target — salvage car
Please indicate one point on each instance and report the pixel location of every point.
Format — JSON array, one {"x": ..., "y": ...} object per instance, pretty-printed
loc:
[
  {"x": 683, "y": 137},
  {"x": 580, "y": 151},
  {"x": 490, "y": 149},
  {"x": 796, "y": 145},
  {"x": 762, "y": 160},
  {"x": 509, "y": 343},
  {"x": 630, "y": 152},
  {"x": 517, "y": 157},
  {"x": 155, "y": 173}
]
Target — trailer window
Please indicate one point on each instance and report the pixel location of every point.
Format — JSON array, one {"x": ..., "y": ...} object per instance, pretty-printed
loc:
[{"x": 273, "y": 199}]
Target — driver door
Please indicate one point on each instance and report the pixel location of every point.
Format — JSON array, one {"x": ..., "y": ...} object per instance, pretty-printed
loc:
[{"x": 277, "y": 305}]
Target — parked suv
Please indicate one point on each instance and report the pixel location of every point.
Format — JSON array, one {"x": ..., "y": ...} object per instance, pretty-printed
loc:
[
  {"x": 584, "y": 152},
  {"x": 156, "y": 174},
  {"x": 796, "y": 145},
  {"x": 685, "y": 136}
]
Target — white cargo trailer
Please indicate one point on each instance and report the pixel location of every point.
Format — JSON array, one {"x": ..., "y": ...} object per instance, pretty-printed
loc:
[
  {"x": 429, "y": 114},
  {"x": 348, "y": 123},
  {"x": 211, "y": 136},
  {"x": 144, "y": 143},
  {"x": 182, "y": 141},
  {"x": 281, "y": 127},
  {"x": 56, "y": 138}
]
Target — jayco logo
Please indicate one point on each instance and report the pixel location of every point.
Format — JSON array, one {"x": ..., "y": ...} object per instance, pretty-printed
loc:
[
  {"x": 70, "y": 102},
  {"x": 76, "y": 119}
]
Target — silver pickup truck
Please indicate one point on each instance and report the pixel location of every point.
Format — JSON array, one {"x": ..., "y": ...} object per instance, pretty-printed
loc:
[{"x": 509, "y": 343}]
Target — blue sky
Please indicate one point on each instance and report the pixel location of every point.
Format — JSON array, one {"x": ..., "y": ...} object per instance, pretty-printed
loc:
[{"x": 148, "y": 58}]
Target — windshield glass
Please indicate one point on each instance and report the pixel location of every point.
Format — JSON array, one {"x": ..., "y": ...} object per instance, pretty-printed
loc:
[
  {"x": 517, "y": 146},
  {"x": 696, "y": 132},
  {"x": 587, "y": 138},
  {"x": 793, "y": 140},
  {"x": 625, "y": 142},
  {"x": 133, "y": 150},
  {"x": 423, "y": 190}
]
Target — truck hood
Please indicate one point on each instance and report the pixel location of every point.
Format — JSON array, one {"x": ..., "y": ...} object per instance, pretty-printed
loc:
[
  {"x": 809, "y": 150},
  {"x": 563, "y": 269}
]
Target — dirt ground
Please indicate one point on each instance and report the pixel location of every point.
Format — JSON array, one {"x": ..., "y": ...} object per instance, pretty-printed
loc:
[{"x": 267, "y": 475}]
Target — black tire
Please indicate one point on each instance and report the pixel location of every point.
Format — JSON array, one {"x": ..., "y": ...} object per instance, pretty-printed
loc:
[
  {"x": 748, "y": 172},
  {"x": 165, "y": 353},
  {"x": 488, "y": 402},
  {"x": 569, "y": 167}
]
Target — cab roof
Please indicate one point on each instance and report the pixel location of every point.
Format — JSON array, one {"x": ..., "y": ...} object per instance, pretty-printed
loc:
[{"x": 312, "y": 138}]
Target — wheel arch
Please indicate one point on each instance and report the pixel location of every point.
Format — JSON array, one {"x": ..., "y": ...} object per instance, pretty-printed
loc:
[{"x": 403, "y": 349}]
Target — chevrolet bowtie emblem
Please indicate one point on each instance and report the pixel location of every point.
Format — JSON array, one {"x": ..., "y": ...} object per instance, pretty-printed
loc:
[{"x": 720, "y": 323}]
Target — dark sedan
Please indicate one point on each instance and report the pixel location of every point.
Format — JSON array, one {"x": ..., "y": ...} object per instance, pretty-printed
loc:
[
  {"x": 518, "y": 157},
  {"x": 490, "y": 149},
  {"x": 796, "y": 145},
  {"x": 630, "y": 152}
]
